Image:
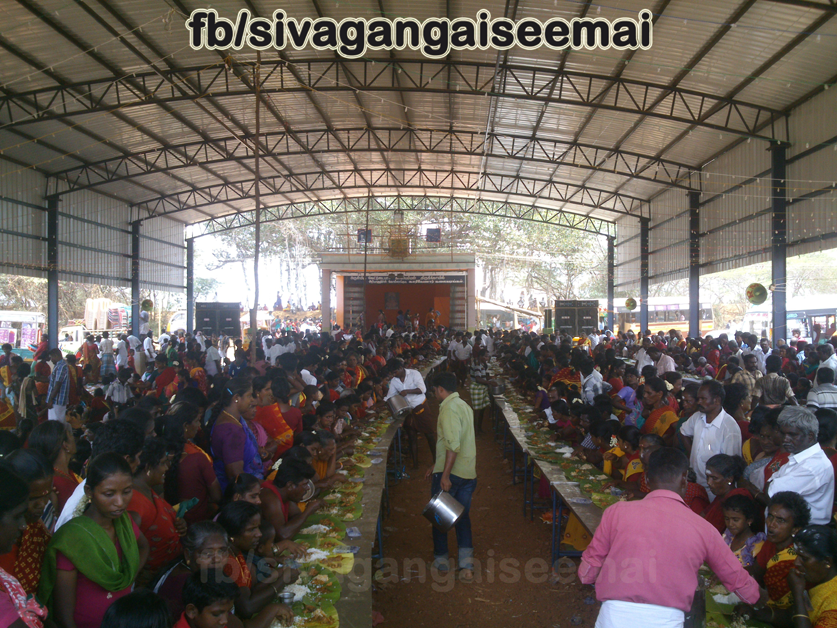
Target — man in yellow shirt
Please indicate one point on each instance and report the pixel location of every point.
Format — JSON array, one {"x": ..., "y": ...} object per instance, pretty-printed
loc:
[{"x": 455, "y": 471}]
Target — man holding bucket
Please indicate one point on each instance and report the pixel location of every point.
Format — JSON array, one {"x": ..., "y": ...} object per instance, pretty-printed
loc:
[{"x": 455, "y": 472}]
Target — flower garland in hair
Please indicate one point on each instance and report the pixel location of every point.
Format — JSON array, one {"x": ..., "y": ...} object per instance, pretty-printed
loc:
[
  {"x": 82, "y": 505},
  {"x": 614, "y": 442}
]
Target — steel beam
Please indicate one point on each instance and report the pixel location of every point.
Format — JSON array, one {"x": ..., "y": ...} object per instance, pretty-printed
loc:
[
  {"x": 52, "y": 271},
  {"x": 521, "y": 148},
  {"x": 694, "y": 264},
  {"x": 644, "y": 229},
  {"x": 779, "y": 241},
  {"x": 117, "y": 73},
  {"x": 611, "y": 274},
  {"x": 384, "y": 181},
  {"x": 135, "y": 278},
  {"x": 341, "y": 207},
  {"x": 527, "y": 83},
  {"x": 190, "y": 285}
]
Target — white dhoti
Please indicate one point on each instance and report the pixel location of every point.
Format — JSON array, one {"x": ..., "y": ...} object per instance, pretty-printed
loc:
[{"x": 618, "y": 614}]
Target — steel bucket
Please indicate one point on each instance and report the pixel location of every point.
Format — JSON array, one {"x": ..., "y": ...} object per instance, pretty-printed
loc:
[
  {"x": 398, "y": 406},
  {"x": 443, "y": 511},
  {"x": 497, "y": 388}
]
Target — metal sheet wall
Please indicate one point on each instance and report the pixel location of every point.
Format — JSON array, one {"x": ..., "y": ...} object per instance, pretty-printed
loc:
[
  {"x": 815, "y": 174},
  {"x": 669, "y": 236},
  {"x": 94, "y": 239},
  {"x": 94, "y": 236},
  {"x": 162, "y": 255},
  {"x": 22, "y": 229},
  {"x": 627, "y": 256},
  {"x": 734, "y": 224}
]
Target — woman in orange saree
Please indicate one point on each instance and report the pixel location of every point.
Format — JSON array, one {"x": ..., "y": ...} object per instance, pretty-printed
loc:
[
  {"x": 8, "y": 420},
  {"x": 196, "y": 373},
  {"x": 269, "y": 415},
  {"x": 90, "y": 355},
  {"x": 661, "y": 419}
]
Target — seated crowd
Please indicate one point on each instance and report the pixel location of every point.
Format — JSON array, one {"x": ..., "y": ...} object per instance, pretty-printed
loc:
[
  {"x": 196, "y": 464},
  {"x": 757, "y": 426},
  {"x": 144, "y": 483}
]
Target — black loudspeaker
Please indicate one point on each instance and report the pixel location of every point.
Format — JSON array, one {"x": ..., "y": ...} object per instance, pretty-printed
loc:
[
  {"x": 218, "y": 318},
  {"x": 547, "y": 318},
  {"x": 576, "y": 316}
]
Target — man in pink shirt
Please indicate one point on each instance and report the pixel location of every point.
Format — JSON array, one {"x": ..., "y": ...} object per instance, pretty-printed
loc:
[{"x": 645, "y": 555}]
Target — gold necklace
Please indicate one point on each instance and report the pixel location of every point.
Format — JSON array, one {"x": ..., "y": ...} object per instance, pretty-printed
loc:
[{"x": 232, "y": 416}]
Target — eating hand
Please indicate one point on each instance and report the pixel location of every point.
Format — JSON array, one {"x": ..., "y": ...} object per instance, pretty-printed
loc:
[{"x": 284, "y": 614}]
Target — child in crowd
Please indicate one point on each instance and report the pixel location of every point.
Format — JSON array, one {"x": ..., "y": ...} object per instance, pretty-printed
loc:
[
  {"x": 313, "y": 396},
  {"x": 209, "y": 599},
  {"x": 739, "y": 514}
]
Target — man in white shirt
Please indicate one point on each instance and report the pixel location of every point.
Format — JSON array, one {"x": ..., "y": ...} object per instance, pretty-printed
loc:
[
  {"x": 642, "y": 358},
  {"x": 663, "y": 362},
  {"x": 710, "y": 431},
  {"x": 148, "y": 347},
  {"x": 827, "y": 357},
  {"x": 213, "y": 359},
  {"x": 133, "y": 342},
  {"x": 122, "y": 352},
  {"x": 593, "y": 337},
  {"x": 108, "y": 366},
  {"x": 410, "y": 384},
  {"x": 808, "y": 471},
  {"x": 286, "y": 345},
  {"x": 164, "y": 338},
  {"x": 592, "y": 383},
  {"x": 761, "y": 352}
]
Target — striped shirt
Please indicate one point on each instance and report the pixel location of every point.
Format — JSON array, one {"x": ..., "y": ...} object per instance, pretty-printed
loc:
[
  {"x": 822, "y": 396},
  {"x": 60, "y": 377}
]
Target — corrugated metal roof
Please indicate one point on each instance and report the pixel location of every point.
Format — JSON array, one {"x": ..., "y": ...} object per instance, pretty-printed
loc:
[{"x": 88, "y": 96}]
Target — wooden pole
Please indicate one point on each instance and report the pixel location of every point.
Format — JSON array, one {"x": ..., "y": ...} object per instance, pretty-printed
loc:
[{"x": 254, "y": 313}]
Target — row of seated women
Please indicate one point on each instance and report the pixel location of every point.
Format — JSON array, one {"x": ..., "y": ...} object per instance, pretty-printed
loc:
[{"x": 67, "y": 561}]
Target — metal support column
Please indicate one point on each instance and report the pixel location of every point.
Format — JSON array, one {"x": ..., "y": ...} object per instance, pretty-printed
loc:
[
  {"x": 135, "y": 278},
  {"x": 190, "y": 285},
  {"x": 780, "y": 241},
  {"x": 52, "y": 271},
  {"x": 694, "y": 265},
  {"x": 611, "y": 254},
  {"x": 644, "y": 229}
]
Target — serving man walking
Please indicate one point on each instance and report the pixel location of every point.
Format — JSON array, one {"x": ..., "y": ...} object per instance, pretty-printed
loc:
[
  {"x": 645, "y": 578},
  {"x": 455, "y": 471}
]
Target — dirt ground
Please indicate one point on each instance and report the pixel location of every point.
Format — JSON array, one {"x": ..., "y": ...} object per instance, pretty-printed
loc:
[{"x": 513, "y": 578}]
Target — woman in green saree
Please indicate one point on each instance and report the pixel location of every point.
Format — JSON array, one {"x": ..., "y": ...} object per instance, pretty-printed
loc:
[{"x": 93, "y": 559}]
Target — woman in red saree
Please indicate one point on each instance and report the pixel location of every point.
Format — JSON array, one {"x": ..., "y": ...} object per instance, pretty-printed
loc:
[
  {"x": 25, "y": 560},
  {"x": 42, "y": 372},
  {"x": 354, "y": 373},
  {"x": 269, "y": 415},
  {"x": 157, "y": 519},
  {"x": 90, "y": 355},
  {"x": 723, "y": 472},
  {"x": 661, "y": 419}
]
